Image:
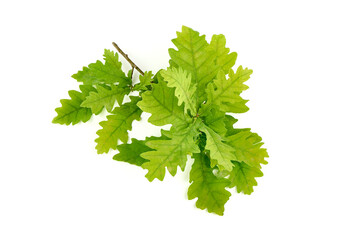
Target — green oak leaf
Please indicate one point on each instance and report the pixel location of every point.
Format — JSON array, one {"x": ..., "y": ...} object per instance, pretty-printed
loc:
[
  {"x": 108, "y": 72},
  {"x": 224, "y": 94},
  {"x": 171, "y": 153},
  {"x": 243, "y": 177},
  {"x": 194, "y": 56},
  {"x": 117, "y": 125},
  {"x": 130, "y": 73},
  {"x": 229, "y": 122},
  {"x": 71, "y": 111},
  {"x": 105, "y": 97},
  {"x": 162, "y": 104},
  {"x": 184, "y": 90},
  {"x": 224, "y": 59},
  {"x": 130, "y": 152},
  {"x": 221, "y": 153},
  {"x": 247, "y": 147},
  {"x": 216, "y": 121},
  {"x": 145, "y": 82},
  {"x": 206, "y": 187}
]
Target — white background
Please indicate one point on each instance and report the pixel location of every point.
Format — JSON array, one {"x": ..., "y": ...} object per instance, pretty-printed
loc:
[{"x": 304, "y": 102}]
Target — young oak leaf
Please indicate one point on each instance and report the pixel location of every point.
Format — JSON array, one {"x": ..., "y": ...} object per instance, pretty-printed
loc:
[
  {"x": 117, "y": 125},
  {"x": 171, "y": 153},
  {"x": 224, "y": 94},
  {"x": 108, "y": 73},
  {"x": 221, "y": 153},
  {"x": 71, "y": 111},
  {"x": 184, "y": 90},
  {"x": 224, "y": 59},
  {"x": 206, "y": 187},
  {"x": 248, "y": 148},
  {"x": 130, "y": 152},
  {"x": 162, "y": 104},
  {"x": 243, "y": 177},
  {"x": 216, "y": 121},
  {"x": 145, "y": 82},
  {"x": 194, "y": 56},
  {"x": 229, "y": 122},
  {"x": 105, "y": 97}
]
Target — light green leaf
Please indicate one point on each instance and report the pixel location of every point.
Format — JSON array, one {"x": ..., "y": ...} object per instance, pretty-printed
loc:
[
  {"x": 117, "y": 126},
  {"x": 248, "y": 148},
  {"x": 105, "y": 97},
  {"x": 108, "y": 73},
  {"x": 237, "y": 107},
  {"x": 216, "y": 121},
  {"x": 221, "y": 153},
  {"x": 229, "y": 125},
  {"x": 162, "y": 104},
  {"x": 243, "y": 177},
  {"x": 206, "y": 187},
  {"x": 145, "y": 82},
  {"x": 224, "y": 59},
  {"x": 224, "y": 94},
  {"x": 130, "y": 152},
  {"x": 184, "y": 90},
  {"x": 71, "y": 111},
  {"x": 171, "y": 153},
  {"x": 130, "y": 73},
  {"x": 194, "y": 56}
]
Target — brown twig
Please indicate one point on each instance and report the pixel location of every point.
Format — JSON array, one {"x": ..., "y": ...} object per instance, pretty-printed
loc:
[
  {"x": 128, "y": 59},
  {"x": 132, "y": 71}
]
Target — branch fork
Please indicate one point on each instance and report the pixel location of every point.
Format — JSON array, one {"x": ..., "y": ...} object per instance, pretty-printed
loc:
[{"x": 133, "y": 65}]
